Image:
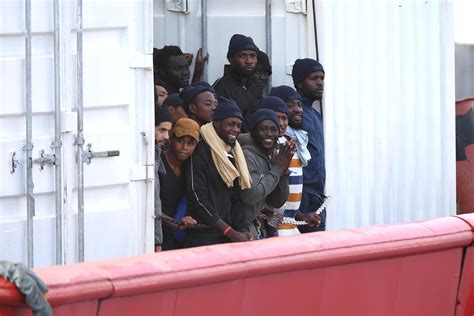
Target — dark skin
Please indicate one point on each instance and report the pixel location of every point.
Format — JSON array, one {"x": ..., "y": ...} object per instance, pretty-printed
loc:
[
  {"x": 202, "y": 108},
  {"x": 313, "y": 219},
  {"x": 243, "y": 64},
  {"x": 295, "y": 114},
  {"x": 199, "y": 65},
  {"x": 283, "y": 120},
  {"x": 181, "y": 149},
  {"x": 228, "y": 130},
  {"x": 282, "y": 158},
  {"x": 312, "y": 86},
  {"x": 261, "y": 77},
  {"x": 176, "y": 73},
  {"x": 177, "y": 112},
  {"x": 266, "y": 135}
]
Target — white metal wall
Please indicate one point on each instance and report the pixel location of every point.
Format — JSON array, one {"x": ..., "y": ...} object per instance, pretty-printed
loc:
[
  {"x": 388, "y": 110},
  {"x": 228, "y": 17},
  {"x": 389, "y": 100},
  {"x": 118, "y": 107},
  {"x": 464, "y": 38}
]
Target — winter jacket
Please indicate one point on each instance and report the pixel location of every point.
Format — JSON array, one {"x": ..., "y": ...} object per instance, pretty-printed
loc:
[
  {"x": 314, "y": 174},
  {"x": 209, "y": 199},
  {"x": 269, "y": 184},
  {"x": 245, "y": 95},
  {"x": 159, "y": 169}
]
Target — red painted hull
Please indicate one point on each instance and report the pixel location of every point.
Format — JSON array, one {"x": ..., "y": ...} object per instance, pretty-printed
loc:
[{"x": 406, "y": 269}]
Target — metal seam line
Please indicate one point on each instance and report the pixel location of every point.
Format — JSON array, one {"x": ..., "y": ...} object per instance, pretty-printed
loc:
[
  {"x": 204, "y": 34},
  {"x": 30, "y": 201},
  {"x": 57, "y": 143},
  {"x": 80, "y": 138},
  {"x": 268, "y": 36}
]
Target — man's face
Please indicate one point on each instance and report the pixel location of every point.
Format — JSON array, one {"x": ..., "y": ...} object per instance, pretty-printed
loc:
[
  {"x": 283, "y": 120},
  {"x": 295, "y": 114},
  {"x": 183, "y": 147},
  {"x": 266, "y": 135},
  {"x": 162, "y": 133},
  {"x": 228, "y": 129},
  {"x": 177, "y": 71},
  {"x": 261, "y": 77},
  {"x": 313, "y": 85},
  {"x": 243, "y": 63},
  {"x": 161, "y": 94},
  {"x": 203, "y": 107}
]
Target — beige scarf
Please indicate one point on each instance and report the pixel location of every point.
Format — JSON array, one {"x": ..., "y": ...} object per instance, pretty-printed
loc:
[{"x": 227, "y": 170}]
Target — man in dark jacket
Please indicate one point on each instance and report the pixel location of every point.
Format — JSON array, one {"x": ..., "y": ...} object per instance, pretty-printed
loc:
[
  {"x": 263, "y": 71},
  {"x": 162, "y": 128},
  {"x": 237, "y": 83},
  {"x": 215, "y": 173},
  {"x": 267, "y": 166},
  {"x": 171, "y": 68},
  {"x": 199, "y": 102},
  {"x": 308, "y": 78}
]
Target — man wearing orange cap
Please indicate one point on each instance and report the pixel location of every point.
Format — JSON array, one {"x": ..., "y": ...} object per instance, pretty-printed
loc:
[{"x": 183, "y": 141}]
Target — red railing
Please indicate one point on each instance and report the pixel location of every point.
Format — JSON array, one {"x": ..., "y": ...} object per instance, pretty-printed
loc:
[{"x": 407, "y": 269}]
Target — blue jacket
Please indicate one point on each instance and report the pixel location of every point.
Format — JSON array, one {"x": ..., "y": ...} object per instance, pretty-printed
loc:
[{"x": 314, "y": 174}]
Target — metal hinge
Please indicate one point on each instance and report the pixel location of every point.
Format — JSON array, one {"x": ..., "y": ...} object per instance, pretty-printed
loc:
[
  {"x": 14, "y": 162},
  {"x": 177, "y": 6},
  {"x": 296, "y": 6}
]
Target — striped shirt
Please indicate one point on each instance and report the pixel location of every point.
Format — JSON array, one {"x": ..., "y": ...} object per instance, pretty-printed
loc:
[{"x": 295, "y": 185}]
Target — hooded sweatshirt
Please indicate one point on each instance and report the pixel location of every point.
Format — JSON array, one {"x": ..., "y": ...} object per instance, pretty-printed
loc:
[{"x": 269, "y": 184}]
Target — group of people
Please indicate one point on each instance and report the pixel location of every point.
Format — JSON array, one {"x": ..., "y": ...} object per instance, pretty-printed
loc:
[{"x": 233, "y": 161}]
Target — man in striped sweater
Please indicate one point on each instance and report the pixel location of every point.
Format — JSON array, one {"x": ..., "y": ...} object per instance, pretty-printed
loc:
[{"x": 286, "y": 102}]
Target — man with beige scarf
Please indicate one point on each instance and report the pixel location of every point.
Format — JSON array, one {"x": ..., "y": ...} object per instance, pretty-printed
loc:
[{"x": 215, "y": 174}]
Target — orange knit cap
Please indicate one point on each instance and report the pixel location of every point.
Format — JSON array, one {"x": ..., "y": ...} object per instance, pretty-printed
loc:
[{"x": 186, "y": 127}]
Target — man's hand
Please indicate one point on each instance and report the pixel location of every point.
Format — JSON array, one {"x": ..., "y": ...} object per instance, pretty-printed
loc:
[
  {"x": 237, "y": 236},
  {"x": 313, "y": 219},
  {"x": 187, "y": 222},
  {"x": 200, "y": 60},
  {"x": 284, "y": 155}
]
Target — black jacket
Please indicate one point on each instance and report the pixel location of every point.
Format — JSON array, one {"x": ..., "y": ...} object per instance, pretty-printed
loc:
[
  {"x": 245, "y": 95},
  {"x": 209, "y": 199}
]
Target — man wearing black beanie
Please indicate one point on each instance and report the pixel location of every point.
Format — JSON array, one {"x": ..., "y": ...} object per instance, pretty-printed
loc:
[
  {"x": 237, "y": 83},
  {"x": 215, "y": 173},
  {"x": 163, "y": 123},
  {"x": 308, "y": 77}
]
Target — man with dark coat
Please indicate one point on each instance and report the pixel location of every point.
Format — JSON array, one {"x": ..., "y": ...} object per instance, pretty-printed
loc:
[
  {"x": 308, "y": 78},
  {"x": 171, "y": 68},
  {"x": 267, "y": 166},
  {"x": 199, "y": 102},
  {"x": 215, "y": 174},
  {"x": 163, "y": 124},
  {"x": 263, "y": 71},
  {"x": 237, "y": 83}
]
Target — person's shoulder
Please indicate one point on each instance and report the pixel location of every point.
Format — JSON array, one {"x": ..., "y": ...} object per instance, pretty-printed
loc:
[
  {"x": 245, "y": 139},
  {"x": 201, "y": 147}
]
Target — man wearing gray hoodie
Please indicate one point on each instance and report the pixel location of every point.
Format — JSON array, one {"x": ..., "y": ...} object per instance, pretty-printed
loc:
[{"x": 268, "y": 167}]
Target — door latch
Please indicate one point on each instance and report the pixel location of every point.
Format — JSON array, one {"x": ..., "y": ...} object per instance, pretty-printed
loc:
[
  {"x": 89, "y": 154},
  {"x": 45, "y": 159}
]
